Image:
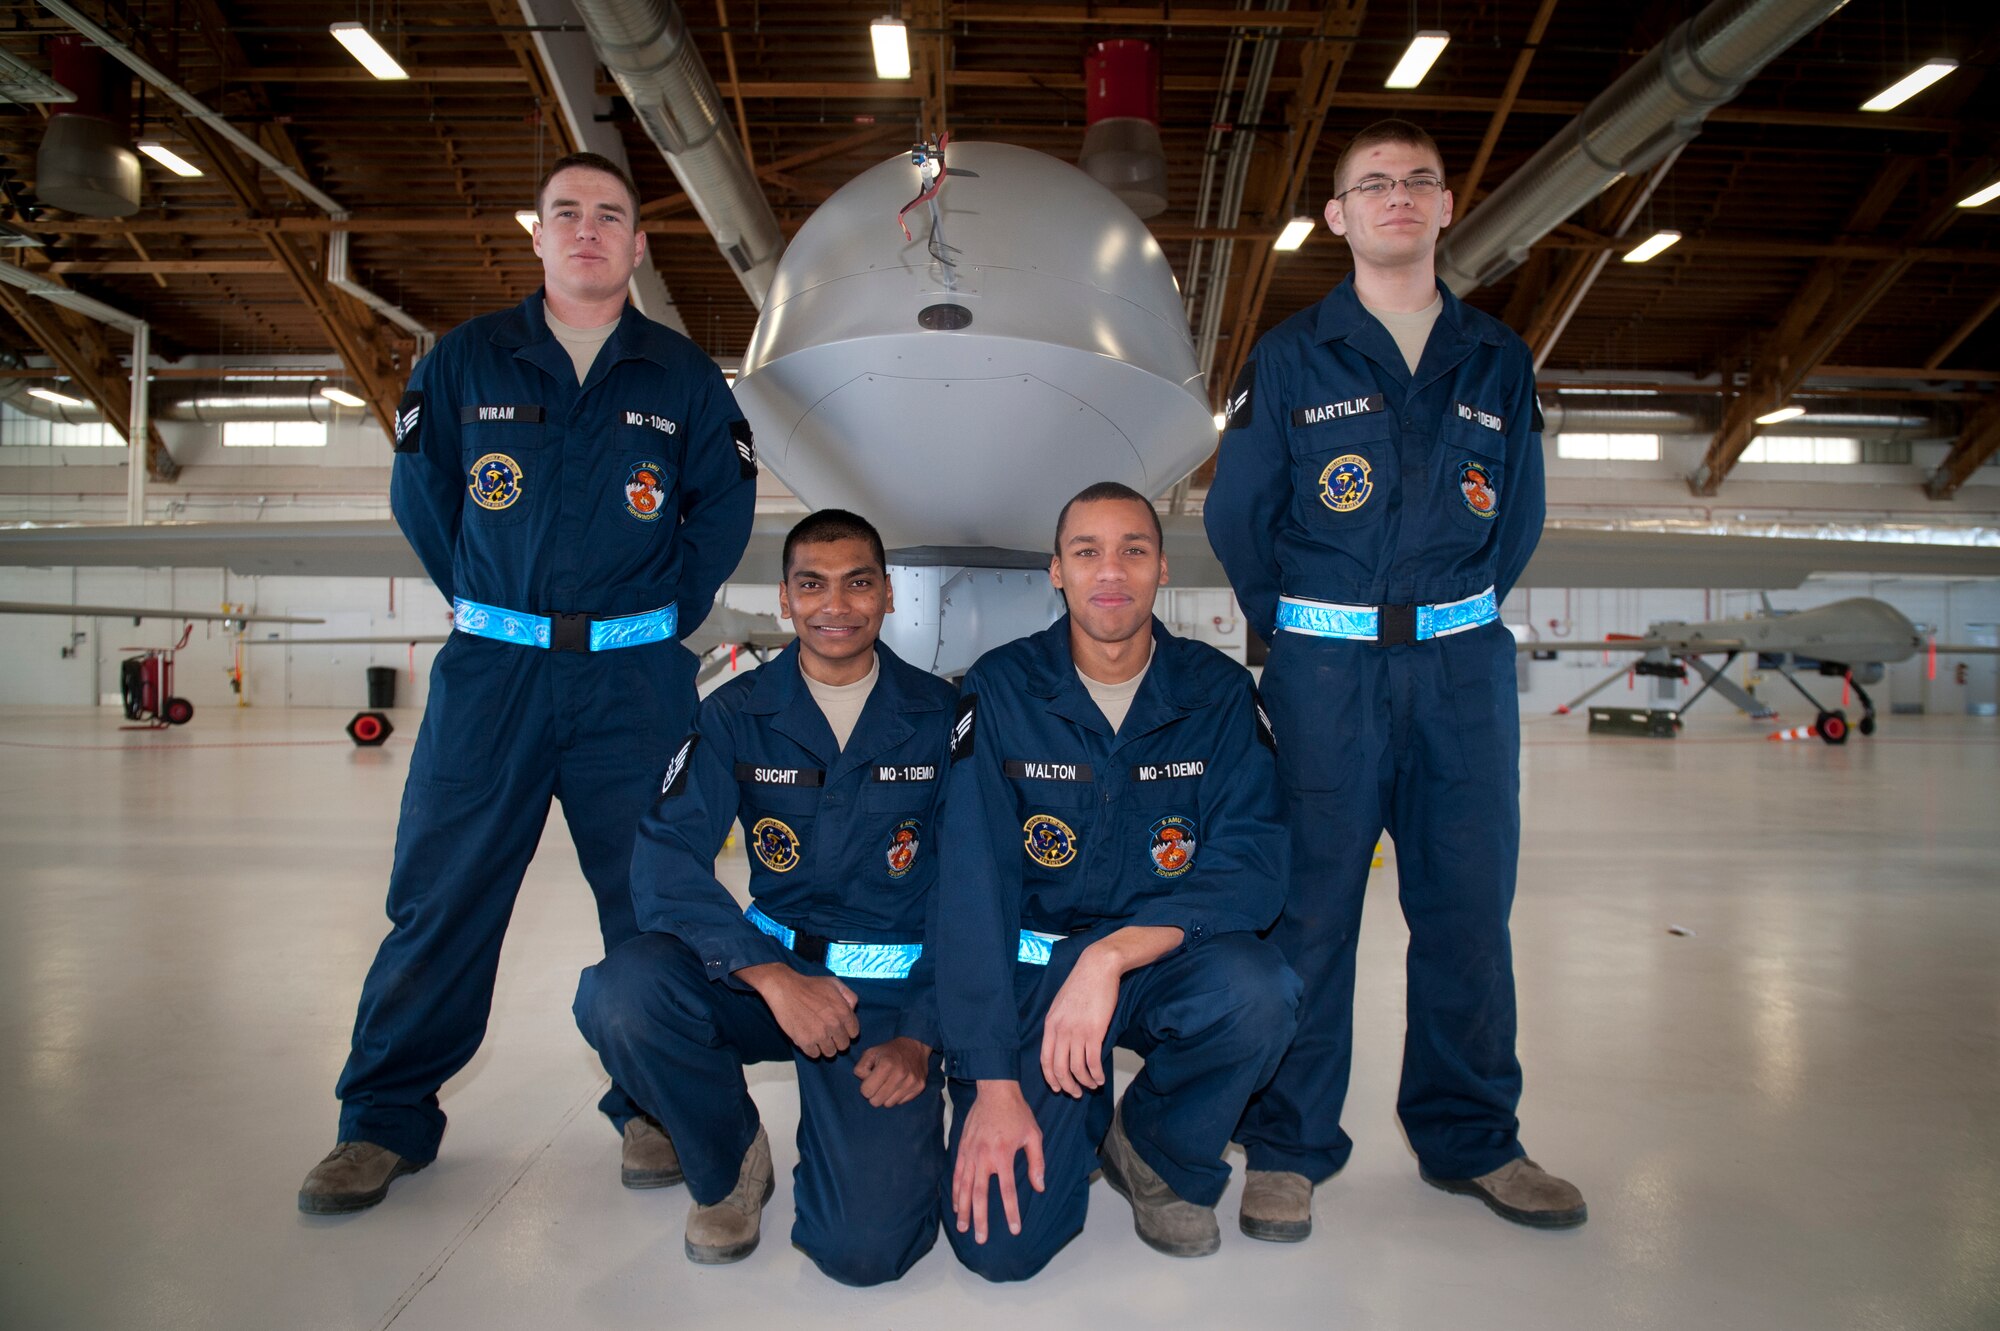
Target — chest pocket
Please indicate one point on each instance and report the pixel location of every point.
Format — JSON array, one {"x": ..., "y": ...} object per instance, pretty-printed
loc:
[
  {"x": 908, "y": 791},
  {"x": 506, "y": 466},
  {"x": 779, "y": 818},
  {"x": 1343, "y": 472},
  {"x": 1058, "y": 821},
  {"x": 647, "y": 454},
  {"x": 1471, "y": 479}
]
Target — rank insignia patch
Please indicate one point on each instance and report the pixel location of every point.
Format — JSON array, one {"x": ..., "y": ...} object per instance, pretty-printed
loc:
[
  {"x": 746, "y": 449},
  {"x": 1475, "y": 486},
  {"x": 1242, "y": 400},
  {"x": 409, "y": 415},
  {"x": 777, "y": 845},
  {"x": 961, "y": 727},
  {"x": 1050, "y": 843},
  {"x": 643, "y": 493},
  {"x": 674, "y": 782},
  {"x": 495, "y": 481},
  {"x": 1344, "y": 485},
  {"x": 1172, "y": 846},
  {"x": 903, "y": 844}
]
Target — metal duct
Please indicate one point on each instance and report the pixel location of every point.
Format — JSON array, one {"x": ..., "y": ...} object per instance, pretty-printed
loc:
[
  {"x": 85, "y": 164},
  {"x": 206, "y": 406},
  {"x": 1594, "y": 415},
  {"x": 1121, "y": 145},
  {"x": 644, "y": 43},
  {"x": 1658, "y": 103}
]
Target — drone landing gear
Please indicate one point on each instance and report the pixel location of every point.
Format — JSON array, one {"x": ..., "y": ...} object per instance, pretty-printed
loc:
[{"x": 1832, "y": 724}]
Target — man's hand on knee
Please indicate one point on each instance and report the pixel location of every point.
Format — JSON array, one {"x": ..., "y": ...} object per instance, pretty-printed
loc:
[
  {"x": 1073, "y": 1031},
  {"x": 997, "y": 1127},
  {"x": 816, "y": 1012},
  {"x": 892, "y": 1073}
]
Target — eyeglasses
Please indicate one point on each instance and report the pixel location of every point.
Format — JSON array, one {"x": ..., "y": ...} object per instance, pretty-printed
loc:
[{"x": 1380, "y": 187}]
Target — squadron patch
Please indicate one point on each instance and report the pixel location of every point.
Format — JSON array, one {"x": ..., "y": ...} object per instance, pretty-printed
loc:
[
  {"x": 1476, "y": 488},
  {"x": 1049, "y": 842},
  {"x": 1172, "y": 846},
  {"x": 495, "y": 481},
  {"x": 1344, "y": 485},
  {"x": 644, "y": 495},
  {"x": 409, "y": 415},
  {"x": 777, "y": 845},
  {"x": 903, "y": 844}
]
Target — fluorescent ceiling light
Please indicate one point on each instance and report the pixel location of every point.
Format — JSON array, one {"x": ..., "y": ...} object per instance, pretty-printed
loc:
[
  {"x": 1985, "y": 196},
  {"x": 61, "y": 399},
  {"x": 361, "y": 44},
  {"x": 527, "y": 218},
  {"x": 1221, "y": 421},
  {"x": 342, "y": 396},
  {"x": 168, "y": 158},
  {"x": 1294, "y": 234},
  {"x": 892, "y": 48},
  {"x": 1424, "y": 50},
  {"x": 1781, "y": 414},
  {"x": 1651, "y": 246},
  {"x": 1903, "y": 89}
]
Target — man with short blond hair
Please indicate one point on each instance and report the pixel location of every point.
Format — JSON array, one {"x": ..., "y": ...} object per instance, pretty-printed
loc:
[{"x": 578, "y": 482}]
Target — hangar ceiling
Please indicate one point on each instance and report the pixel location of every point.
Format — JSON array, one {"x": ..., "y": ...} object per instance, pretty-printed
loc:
[{"x": 1817, "y": 239}]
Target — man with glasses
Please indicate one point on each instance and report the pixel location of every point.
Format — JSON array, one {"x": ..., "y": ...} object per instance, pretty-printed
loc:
[{"x": 1377, "y": 492}]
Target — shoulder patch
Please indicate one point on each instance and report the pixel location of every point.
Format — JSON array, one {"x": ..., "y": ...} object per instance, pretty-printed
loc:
[
  {"x": 409, "y": 421},
  {"x": 961, "y": 727},
  {"x": 674, "y": 782},
  {"x": 1264, "y": 735},
  {"x": 746, "y": 449},
  {"x": 1536, "y": 424},
  {"x": 1236, "y": 412}
]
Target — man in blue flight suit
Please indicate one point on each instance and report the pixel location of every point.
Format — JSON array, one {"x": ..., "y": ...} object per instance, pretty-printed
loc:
[
  {"x": 1111, "y": 849},
  {"x": 1377, "y": 492},
  {"x": 832, "y": 757},
  {"x": 578, "y": 481}
]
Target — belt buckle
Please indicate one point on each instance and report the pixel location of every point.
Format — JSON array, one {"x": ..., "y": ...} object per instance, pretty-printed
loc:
[
  {"x": 810, "y": 947},
  {"x": 569, "y": 633},
  {"x": 1395, "y": 625}
]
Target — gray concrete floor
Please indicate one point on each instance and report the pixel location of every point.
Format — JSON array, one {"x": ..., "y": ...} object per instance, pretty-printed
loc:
[{"x": 1787, "y": 1117}]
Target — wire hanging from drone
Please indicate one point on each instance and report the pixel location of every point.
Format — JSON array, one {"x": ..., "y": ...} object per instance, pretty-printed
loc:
[{"x": 928, "y": 158}]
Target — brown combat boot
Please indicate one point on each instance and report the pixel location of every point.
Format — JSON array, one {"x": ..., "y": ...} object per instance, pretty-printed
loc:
[
  {"x": 728, "y": 1231},
  {"x": 1524, "y": 1192},
  {"x": 353, "y": 1177},
  {"x": 1277, "y": 1206},
  {"x": 1166, "y": 1223},
  {"x": 649, "y": 1159}
]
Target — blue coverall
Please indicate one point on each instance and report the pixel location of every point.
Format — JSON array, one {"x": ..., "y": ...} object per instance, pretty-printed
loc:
[
  {"x": 1344, "y": 478},
  {"x": 842, "y": 845},
  {"x": 523, "y": 490},
  {"x": 1056, "y": 825}
]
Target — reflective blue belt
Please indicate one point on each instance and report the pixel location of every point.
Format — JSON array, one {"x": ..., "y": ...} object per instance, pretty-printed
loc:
[
  {"x": 1368, "y": 623},
  {"x": 850, "y": 961},
  {"x": 563, "y": 633},
  {"x": 1035, "y": 947}
]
